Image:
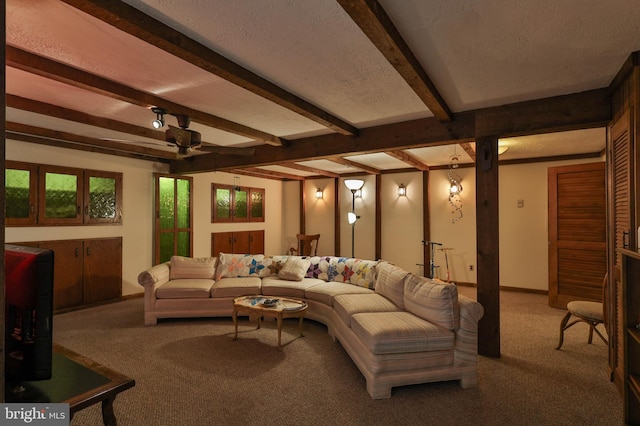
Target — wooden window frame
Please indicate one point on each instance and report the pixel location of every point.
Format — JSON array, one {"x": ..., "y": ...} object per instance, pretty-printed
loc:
[
  {"x": 33, "y": 193},
  {"x": 232, "y": 204},
  {"x": 37, "y": 195},
  {"x": 42, "y": 181},
  {"x": 175, "y": 230},
  {"x": 117, "y": 177}
]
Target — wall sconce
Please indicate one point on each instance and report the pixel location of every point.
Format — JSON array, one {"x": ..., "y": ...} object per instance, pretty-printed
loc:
[
  {"x": 402, "y": 190},
  {"x": 455, "y": 188},
  {"x": 319, "y": 194},
  {"x": 159, "y": 121}
]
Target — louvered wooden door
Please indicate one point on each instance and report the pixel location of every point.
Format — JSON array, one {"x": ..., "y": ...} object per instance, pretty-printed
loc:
[
  {"x": 577, "y": 233},
  {"x": 622, "y": 231}
]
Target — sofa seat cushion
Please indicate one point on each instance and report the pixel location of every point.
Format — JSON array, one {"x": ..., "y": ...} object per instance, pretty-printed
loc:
[
  {"x": 400, "y": 332},
  {"x": 325, "y": 292},
  {"x": 239, "y": 286},
  {"x": 274, "y": 286},
  {"x": 434, "y": 301},
  {"x": 347, "y": 305},
  {"x": 185, "y": 289}
]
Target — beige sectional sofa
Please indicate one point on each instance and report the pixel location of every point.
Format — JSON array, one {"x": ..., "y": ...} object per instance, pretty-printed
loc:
[{"x": 397, "y": 327}]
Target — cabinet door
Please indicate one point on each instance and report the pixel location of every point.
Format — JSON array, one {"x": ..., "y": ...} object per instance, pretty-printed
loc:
[
  {"x": 67, "y": 273},
  {"x": 241, "y": 243},
  {"x": 102, "y": 269},
  {"x": 256, "y": 242},
  {"x": 221, "y": 242}
]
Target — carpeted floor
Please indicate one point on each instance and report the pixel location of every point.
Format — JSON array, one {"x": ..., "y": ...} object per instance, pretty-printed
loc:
[{"x": 190, "y": 372}]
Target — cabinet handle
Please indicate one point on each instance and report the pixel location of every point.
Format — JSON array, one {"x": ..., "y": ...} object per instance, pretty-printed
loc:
[
  {"x": 78, "y": 210},
  {"x": 234, "y": 239},
  {"x": 88, "y": 251},
  {"x": 32, "y": 208},
  {"x": 77, "y": 252}
]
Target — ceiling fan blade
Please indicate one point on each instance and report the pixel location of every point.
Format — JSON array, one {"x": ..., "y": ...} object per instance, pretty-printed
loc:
[
  {"x": 183, "y": 138},
  {"x": 227, "y": 150}
]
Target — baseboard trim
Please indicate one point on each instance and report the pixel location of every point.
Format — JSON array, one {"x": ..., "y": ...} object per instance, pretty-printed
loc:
[{"x": 507, "y": 288}]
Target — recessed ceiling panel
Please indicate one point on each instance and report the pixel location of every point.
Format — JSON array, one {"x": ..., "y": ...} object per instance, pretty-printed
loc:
[{"x": 379, "y": 161}]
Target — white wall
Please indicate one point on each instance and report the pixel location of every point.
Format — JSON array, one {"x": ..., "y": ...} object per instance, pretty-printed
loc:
[
  {"x": 203, "y": 227},
  {"x": 320, "y": 216},
  {"x": 402, "y": 229},
  {"x": 523, "y": 231}
]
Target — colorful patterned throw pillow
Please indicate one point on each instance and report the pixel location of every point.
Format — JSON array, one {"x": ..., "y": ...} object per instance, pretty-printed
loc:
[{"x": 240, "y": 265}]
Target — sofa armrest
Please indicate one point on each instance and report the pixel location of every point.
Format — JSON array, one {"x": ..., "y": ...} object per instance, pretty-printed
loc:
[
  {"x": 470, "y": 313},
  {"x": 154, "y": 276},
  {"x": 466, "y": 345}
]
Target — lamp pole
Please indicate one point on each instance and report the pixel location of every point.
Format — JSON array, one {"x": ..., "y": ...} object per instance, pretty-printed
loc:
[
  {"x": 353, "y": 225},
  {"x": 353, "y": 185}
]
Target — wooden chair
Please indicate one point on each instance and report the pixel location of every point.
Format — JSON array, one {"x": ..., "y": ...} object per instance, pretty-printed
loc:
[
  {"x": 307, "y": 245},
  {"x": 592, "y": 313}
]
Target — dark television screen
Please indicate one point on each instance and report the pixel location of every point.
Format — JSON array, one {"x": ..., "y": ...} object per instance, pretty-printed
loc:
[{"x": 29, "y": 312}]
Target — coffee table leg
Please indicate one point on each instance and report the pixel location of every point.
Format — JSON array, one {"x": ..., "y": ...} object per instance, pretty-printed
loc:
[
  {"x": 235, "y": 323},
  {"x": 300, "y": 325},
  {"x": 279, "y": 318},
  {"x": 108, "y": 417}
]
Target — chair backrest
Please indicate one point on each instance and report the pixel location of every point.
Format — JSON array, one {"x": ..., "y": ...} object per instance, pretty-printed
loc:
[{"x": 307, "y": 244}]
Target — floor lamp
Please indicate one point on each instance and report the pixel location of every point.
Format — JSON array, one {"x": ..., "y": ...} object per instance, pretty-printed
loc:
[{"x": 354, "y": 186}]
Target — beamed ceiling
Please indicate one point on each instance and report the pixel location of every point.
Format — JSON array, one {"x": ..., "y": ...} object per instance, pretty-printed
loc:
[{"x": 317, "y": 87}]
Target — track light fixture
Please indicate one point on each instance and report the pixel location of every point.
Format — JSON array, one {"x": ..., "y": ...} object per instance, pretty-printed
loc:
[{"x": 159, "y": 121}]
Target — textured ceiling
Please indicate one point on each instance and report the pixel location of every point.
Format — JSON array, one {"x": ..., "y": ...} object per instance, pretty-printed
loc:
[{"x": 477, "y": 53}]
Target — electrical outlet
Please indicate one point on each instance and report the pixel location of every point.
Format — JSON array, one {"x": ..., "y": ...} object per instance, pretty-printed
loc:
[{"x": 471, "y": 267}]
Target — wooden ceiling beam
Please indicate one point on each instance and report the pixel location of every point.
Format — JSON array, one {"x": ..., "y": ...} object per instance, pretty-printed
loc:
[
  {"x": 576, "y": 111},
  {"x": 304, "y": 168},
  {"x": 350, "y": 163},
  {"x": 84, "y": 141},
  {"x": 409, "y": 159},
  {"x": 48, "y": 68},
  {"x": 51, "y": 110},
  {"x": 136, "y": 23},
  {"x": 567, "y": 112},
  {"x": 244, "y": 172},
  {"x": 405, "y": 135},
  {"x": 265, "y": 172},
  {"x": 376, "y": 24},
  {"x": 469, "y": 148}
]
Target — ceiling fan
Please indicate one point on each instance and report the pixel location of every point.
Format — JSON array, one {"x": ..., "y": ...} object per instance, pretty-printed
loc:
[{"x": 187, "y": 140}]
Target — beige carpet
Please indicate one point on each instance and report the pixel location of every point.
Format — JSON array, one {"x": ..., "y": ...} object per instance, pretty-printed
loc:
[{"x": 190, "y": 372}]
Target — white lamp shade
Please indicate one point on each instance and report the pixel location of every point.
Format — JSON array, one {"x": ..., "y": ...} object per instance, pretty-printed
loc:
[
  {"x": 351, "y": 218},
  {"x": 318, "y": 193},
  {"x": 354, "y": 184}
]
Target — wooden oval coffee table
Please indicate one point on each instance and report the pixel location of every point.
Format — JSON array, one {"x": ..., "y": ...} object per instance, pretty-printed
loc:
[{"x": 283, "y": 307}]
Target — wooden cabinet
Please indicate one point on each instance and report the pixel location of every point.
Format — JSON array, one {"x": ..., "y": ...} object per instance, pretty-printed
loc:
[
  {"x": 85, "y": 271},
  {"x": 245, "y": 242},
  {"x": 631, "y": 324}
]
